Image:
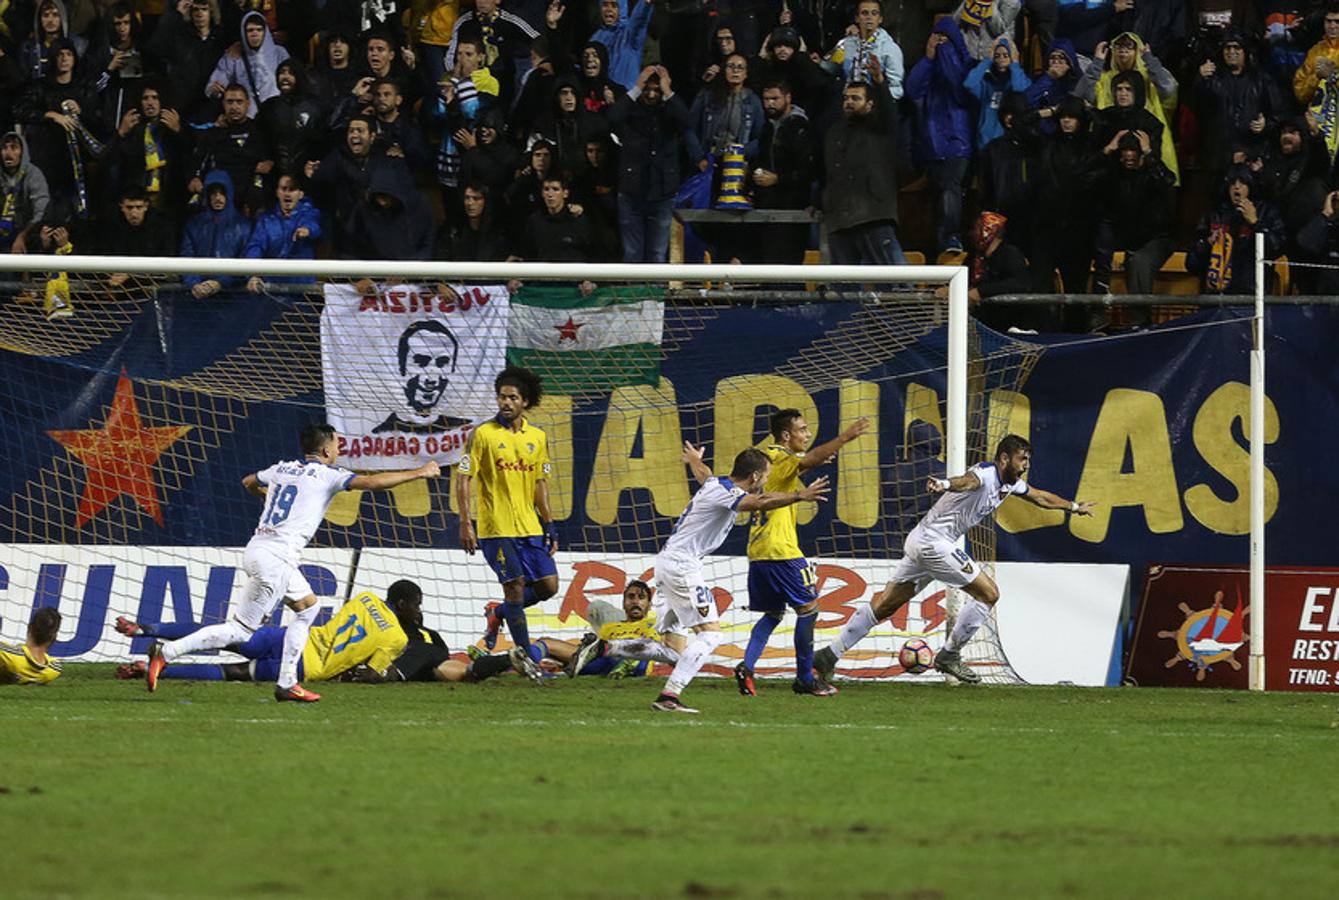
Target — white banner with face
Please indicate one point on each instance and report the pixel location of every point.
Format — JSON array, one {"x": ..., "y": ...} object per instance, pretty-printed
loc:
[{"x": 408, "y": 369}]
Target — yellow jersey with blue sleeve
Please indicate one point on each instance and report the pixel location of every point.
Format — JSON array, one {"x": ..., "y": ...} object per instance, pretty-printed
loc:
[
  {"x": 507, "y": 465},
  {"x": 625, "y": 630},
  {"x": 17, "y": 666},
  {"x": 364, "y": 630},
  {"x": 772, "y": 533}
]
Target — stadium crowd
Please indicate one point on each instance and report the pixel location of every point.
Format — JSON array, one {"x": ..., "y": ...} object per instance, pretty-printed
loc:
[{"x": 1039, "y": 136}]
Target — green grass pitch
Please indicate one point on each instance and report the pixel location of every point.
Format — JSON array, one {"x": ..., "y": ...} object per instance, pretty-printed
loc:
[{"x": 577, "y": 789}]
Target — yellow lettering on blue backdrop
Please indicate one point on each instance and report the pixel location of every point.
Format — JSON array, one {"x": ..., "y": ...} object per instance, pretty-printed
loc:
[
  {"x": 654, "y": 413},
  {"x": 923, "y": 406},
  {"x": 554, "y": 416},
  {"x": 1216, "y": 443},
  {"x": 858, "y": 461},
  {"x": 1011, "y": 413},
  {"x": 1135, "y": 420},
  {"x": 738, "y": 399}
]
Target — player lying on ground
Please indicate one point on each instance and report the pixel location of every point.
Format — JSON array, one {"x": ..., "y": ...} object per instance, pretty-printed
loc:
[
  {"x": 779, "y": 575},
  {"x": 592, "y": 654},
  {"x": 297, "y": 493},
  {"x": 29, "y": 662},
  {"x": 686, "y": 610},
  {"x": 366, "y": 640},
  {"x": 509, "y": 458},
  {"x": 930, "y": 553}
]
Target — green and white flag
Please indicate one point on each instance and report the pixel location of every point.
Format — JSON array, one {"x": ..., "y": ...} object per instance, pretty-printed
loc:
[{"x": 583, "y": 344}]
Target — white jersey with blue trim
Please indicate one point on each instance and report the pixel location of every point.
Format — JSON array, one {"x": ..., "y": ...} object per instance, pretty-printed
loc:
[
  {"x": 298, "y": 493},
  {"x": 705, "y": 523},
  {"x": 957, "y": 511}
]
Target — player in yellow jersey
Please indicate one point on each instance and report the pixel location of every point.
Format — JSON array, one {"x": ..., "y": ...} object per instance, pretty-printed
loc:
[
  {"x": 29, "y": 662},
  {"x": 364, "y": 631},
  {"x": 779, "y": 574},
  {"x": 631, "y": 629},
  {"x": 509, "y": 458}
]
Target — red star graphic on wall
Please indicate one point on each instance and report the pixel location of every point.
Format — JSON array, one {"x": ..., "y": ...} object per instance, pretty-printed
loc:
[
  {"x": 119, "y": 457},
  {"x": 568, "y": 330}
]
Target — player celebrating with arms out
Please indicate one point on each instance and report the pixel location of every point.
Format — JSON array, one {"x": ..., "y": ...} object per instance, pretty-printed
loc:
[
  {"x": 685, "y": 603},
  {"x": 779, "y": 575},
  {"x": 297, "y": 494},
  {"x": 930, "y": 553},
  {"x": 510, "y": 459}
]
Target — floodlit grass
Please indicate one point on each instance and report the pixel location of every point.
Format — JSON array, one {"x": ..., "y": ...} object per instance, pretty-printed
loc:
[{"x": 579, "y": 789}]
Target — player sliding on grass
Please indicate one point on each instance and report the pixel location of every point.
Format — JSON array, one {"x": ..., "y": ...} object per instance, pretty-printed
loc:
[
  {"x": 297, "y": 493},
  {"x": 620, "y": 638},
  {"x": 509, "y": 458},
  {"x": 779, "y": 575},
  {"x": 930, "y": 553},
  {"x": 686, "y": 605},
  {"x": 368, "y": 640}
]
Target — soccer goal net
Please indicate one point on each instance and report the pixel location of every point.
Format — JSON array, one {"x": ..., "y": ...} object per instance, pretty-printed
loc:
[{"x": 138, "y": 393}]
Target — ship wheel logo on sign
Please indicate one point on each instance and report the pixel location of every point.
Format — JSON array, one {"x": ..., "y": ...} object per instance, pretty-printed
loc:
[{"x": 1210, "y": 636}]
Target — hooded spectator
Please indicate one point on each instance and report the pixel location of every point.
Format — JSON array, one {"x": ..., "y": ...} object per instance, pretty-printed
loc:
[
  {"x": 1319, "y": 240},
  {"x": 997, "y": 267},
  {"x": 23, "y": 193},
  {"x": 598, "y": 92},
  {"x": 1007, "y": 170},
  {"x": 1224, "y": 248},
  {"x": 944, "y": 142},
  {"x": 1058, "y": 81},
  {"x": 1129, "y": 53},
  {"x": 989, "y": 81},
  {"x": 984, "y": 22},
  {"x": 51, "y": 23},
  {"x": 218, "y": 231},
  {"x": 1128, "y": 114},
  {"x": 63, "y": 127},
  {"x": 1067, "y": 171},
  {"x": 1135, "y": 202},
  {"x": 393, "y": 221},
  {"x": 294, "y": 119},
  {"x": 568, "y": 125},
  {"x": 525, "y": 195},
  {"x": 254, "y": 66},
  {"x": 1293, "y": 176},
  {"x": 335, "y": 74},
  {"x": 813, "y": 89},
  {"x": 473, "y": 233},
  {"x": 1237, "y": 105},
  {"x": 489, "y": 158}
]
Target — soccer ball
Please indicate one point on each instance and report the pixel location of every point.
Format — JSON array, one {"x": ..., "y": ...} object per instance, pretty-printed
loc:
[{"x": 916, "y": 656}]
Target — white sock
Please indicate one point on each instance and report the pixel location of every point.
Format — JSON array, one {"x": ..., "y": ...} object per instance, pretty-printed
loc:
[
  {"x": 970, "y": 617},
  {"x": 691, "y": 660},
  {"x": 643, "y": 648},
  {"x": 295, "y": 638},
  {"x": 855, "y": 629},
  {"x": 211, "y": 637}
]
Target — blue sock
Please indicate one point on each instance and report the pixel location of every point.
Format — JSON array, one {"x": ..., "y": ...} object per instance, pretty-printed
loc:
[
  {"x": 601, "y": 665},
  {"x": 762, "y": 630},
  {"x": 195, "y": 672},
  {"x": 528, "y": 597},
  {"x": 804, "y": 647},
  {"x": 514, "y": 615},
  {"x": 538, "y": 650},
  {"x": 170, "y": 630}
]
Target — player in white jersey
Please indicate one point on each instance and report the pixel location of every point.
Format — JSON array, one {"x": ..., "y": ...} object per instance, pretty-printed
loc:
[
  {"x": 684, "y": 604},
  {"x": 931, "y": 553},
  {"x": 297, "y": 493}
]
